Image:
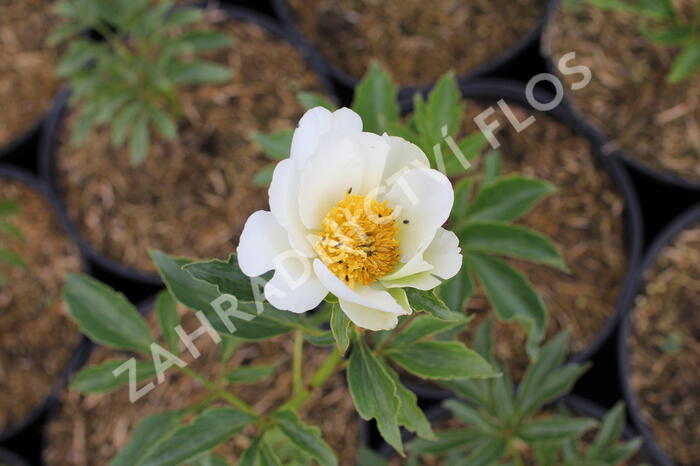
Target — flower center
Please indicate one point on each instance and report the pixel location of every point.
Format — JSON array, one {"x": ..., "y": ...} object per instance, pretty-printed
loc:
[{"x": 358, "y": 242}]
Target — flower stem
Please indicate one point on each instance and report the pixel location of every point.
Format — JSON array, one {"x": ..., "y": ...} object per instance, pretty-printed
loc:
[
  {"x": 225, "y": 395},
  {"x": 296, "y": 362},
  {"x": 327, "y": 369}
]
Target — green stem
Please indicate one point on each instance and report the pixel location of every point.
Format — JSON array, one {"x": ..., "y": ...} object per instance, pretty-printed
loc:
[
  {"x": 327, "y": 369},
  {"x": 225, "y": 395},
  {"x": 517, "y": 459},
  {"x": 296, "y": 362}
]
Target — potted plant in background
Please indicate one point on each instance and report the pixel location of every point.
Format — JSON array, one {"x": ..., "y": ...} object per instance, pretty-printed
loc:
[
  {"x": 161, "y": 126},
  {"x": 419, "y": 42},
  {"x": 643, "y": 93},
  {"x": 495, "y": 421},
  {"x": 659, "y": 342},
  {"x": 27, "y": 64},
  {"x": 38, "y": 338}
]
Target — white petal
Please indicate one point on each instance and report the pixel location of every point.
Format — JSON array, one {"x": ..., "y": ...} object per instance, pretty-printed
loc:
[
  {"x": 445, "y": 258},
  {"x": 284, "y": 195},
  {"x": 294, "y": 287},
  {"x": 416, "y": 265},
  {"x": 364, "y": 295},
  {"x": 346, "y": 121},
  {"x": 326, "y": 177},
  {"x": 422, "y": 200},
  {"x": 444, "y": 254},
  {"x": 262, "y": 239},
  {"x": 314, "y": 123},
  {"x": 402, "y": 156},
  {"x": 373, "y": 149},
  {"x": 365, "y": 317}
]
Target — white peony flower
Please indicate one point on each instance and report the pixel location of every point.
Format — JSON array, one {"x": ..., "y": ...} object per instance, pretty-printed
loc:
[{"x": 354, "y": 214}]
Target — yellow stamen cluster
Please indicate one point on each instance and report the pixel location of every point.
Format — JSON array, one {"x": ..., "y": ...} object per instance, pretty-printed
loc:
[{"x": 358, "y": 242}]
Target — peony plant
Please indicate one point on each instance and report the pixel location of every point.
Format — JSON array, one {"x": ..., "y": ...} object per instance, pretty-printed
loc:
[
  {"x": 129, "y": 80},
  {"x": 505, "y": 424},
  {"x": 352, "y": 260},
  {"x": 661, "y": 22},
  {"x": 8, "y": 208}
]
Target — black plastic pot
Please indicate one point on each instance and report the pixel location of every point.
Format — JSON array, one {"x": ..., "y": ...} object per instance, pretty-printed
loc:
[
  {"x": 684, "y": 221},
  {"x": 49, "y": 143},
  {"x": 349, "y": 81},
  {"x": 78, "y": 355},
  {"x": 14, "y": 151},
  {"x": 7, "y": 458},
  {"x": 514, "y": 93},
  {"x": 670, "y": 179}
]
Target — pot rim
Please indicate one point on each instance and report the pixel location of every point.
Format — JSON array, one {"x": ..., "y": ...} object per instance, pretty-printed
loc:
[
  {"x": 48, "y": 144},
  {"x": 490, "y": 66},
  {"x": 661, "y": 176},
  {"x": 634, "y": 289}
]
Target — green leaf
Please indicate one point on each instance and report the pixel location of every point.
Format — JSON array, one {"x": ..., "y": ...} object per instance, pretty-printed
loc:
[
  {"x": 227, "y": 277},
  {"x": 427, "y": 301},
  {"x": 492, "y": 167},
  {"x": 11, "y": 230},
  {"x": 106, "y": 316},
  {"x": 463, "y": 191},
  {"x": 8, "y": 207},
  {"x": 146, "y": 437},
  {"x": 445, "y": 106},
  {"x": 168, "y": 319},
  {"x": 447, "y": 440},
  {"x": 259, "y": 454},
  {"x": 686, "y": 63},
  {"x": 508, "y": 198},
  {"x": 510, "y": 240},
  {"x": 306, "y": 438},
  {"x": 99, "y": 378},
  {"x": 420, "y": 327},
  {"x": 375, "y": 100},
  {"x": 512, "y": 296},
  {"x": 11, "y": 258},
  {"x": 199, "y": 72},
  {"x": 620, "y": 453},
  {"x": 251, "y": 374},
  {"x": 122, "y": 121},
  {"x": 139, "y": 140},
  {"x": 457, "y": 290},
  {"x": 551, "y": 357},
  {"x": 410, "y": 415},
  {"x": 183, "y": 16},
  {"x": 264, "y": 176},
  {"x": 441, "y": 360},
  {"x": 209, "y": 459},
  {"x": 208, "y": 430},
  {"x": 199, "y": 295},
  {"x": 367, "y": 457},
  {"x": 341, "y": 327},
  {"x": 276, "y": 145},
  {"x": 610, "y": 430},
  {"x": 201, "y": 41},
  {"x": 554, "y": 429},
  {"x": 309, "y": 100},
  {"x": 377, "y": 400},
  {"x": 487, "y": 453},
  {"x": 164, "y": 123},
  {"x": 471, "y": 417}
]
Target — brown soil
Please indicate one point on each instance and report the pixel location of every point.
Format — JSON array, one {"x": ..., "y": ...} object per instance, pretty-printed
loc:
[
  {"x": 584, "y": 219},
  {"x": 417, "y": 41},
  {"x": 190, "y": 197},
  {"x": 665, "y": 381},
  {"x": 628, "y": 97},
  {"x": 27, "y": 81},
  {"x": 91, "y": 429},
  {"x": 36, "y": 334}
]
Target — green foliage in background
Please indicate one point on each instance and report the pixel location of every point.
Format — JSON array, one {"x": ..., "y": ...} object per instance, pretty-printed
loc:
[
  {"x": 9, "y": 208},
  {"x": 131, "y": 78},
  {"x": 501, "y": 422},
  {"x": 660, "y": 23}
]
